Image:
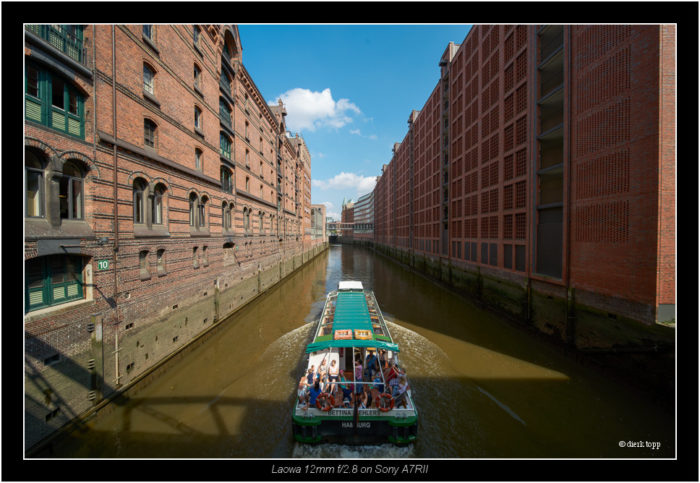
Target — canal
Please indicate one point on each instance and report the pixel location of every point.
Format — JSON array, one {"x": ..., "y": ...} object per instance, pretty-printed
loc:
[{"x": 484, "y": 387}]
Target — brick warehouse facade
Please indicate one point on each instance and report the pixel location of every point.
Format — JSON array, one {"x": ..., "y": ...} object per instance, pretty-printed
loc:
[
  {"x": 162, "y": 193},
  {"x": 539, "y": 176}
]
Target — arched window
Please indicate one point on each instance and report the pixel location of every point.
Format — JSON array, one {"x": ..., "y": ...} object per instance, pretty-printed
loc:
[
  {"x": 203, "y": 212},
  {"x": 144, "y": 273},
  {"x": 149, "y": 133},
  {"x": 198, "y": 159},
  {"x": 158, "y": 194},
  {"x": 70, "y": 193},
  {"x": 160, "y": 261},
  {"x": 193, "y": 207},
  {"x": 246, "y": 219},
  {"x": 225, "y": 145},
  {"x": 140, "y": 189},
  {"x": 197, "y": 118},
  {"x": 226, "y": 180},
  {"x": 34, "y": 199},
  {"x": 148, "y": 79},
  {"x": 224, "y": 112},
  {"x": 260, "y": 217},
  {"x": 197, "y": 76},
  {"x": 225, "y": 83},
  {"x": 225, "y": 221}
]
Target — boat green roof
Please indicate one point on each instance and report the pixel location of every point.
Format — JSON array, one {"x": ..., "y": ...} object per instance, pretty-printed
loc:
[{"x": 352, "y": 313}]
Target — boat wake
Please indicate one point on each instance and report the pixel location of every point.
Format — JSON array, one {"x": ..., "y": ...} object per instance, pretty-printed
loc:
[{"x": 350, "y": 451}]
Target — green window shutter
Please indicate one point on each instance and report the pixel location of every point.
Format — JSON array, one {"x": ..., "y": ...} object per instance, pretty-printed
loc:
[
  {"x": 33, "y": 110},
  {"x": 36, "y": 298},
  {"x": 74, "y": 127},
  {"x": 58, "y": 120}
]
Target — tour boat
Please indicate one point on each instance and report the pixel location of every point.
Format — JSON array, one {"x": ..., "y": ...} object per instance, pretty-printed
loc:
[{"x": 350, "y": 328}]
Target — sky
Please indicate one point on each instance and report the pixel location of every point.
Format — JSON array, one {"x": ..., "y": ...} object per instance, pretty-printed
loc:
[{"x": 348, "y": 91}]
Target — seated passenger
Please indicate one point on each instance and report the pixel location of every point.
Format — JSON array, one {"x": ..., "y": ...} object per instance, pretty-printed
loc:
[
  {"x": 333, "y": 376},
  {"x": 344, "y": 386},
  {"x": 400, "y": 392},
  {"x": 313, "y": 394}
]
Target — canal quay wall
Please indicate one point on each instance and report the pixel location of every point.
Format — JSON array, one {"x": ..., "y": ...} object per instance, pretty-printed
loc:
[
  {"x": 102, "y": 361},
  {"x": 595, "y": 328}
]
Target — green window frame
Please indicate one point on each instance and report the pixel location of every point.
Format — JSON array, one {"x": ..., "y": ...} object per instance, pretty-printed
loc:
[
  {"x": 52, "y": 101},
  {"x": 52, "y": 280},
  {"x": 225, "y": 145}
]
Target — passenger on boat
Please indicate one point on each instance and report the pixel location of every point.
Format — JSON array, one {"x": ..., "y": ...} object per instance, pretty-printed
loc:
[
  {"x": 378, "y": 385},
  {"x": 333, "y": 376},
  {"x": 400, "y": 392},
  {"x": 358, "y": 381},
  {"x": 310, "y": 376},
  {"x": 364, "y": 398},
  {"x": 344, "y": 386},
  {"x": 371, "y": 366},
  {"x": 313, "y": 394},
  {"x": 383, "y": 364},
  {"x": 302, "y": 391}
]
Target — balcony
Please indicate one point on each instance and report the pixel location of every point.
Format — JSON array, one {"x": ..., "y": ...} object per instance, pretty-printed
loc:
[{"x": 65, "y": 38}]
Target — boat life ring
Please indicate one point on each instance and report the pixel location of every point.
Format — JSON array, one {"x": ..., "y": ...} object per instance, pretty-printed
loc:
[
  {"x": 342, "y": 334},
  {"x": 329, "y": 401},
  {"x": 389, "y": 398},
  {"x": 363, "y": 334}
]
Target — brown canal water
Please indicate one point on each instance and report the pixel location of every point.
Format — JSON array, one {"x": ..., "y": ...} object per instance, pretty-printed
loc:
[{"x": 484, "y": 387}]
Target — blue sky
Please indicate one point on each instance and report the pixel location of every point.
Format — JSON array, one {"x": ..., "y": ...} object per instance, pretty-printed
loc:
[{"x": 349, "y": 90}]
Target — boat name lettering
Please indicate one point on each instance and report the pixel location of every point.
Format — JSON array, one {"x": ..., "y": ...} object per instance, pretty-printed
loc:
[{"x": 360, "y": 424}]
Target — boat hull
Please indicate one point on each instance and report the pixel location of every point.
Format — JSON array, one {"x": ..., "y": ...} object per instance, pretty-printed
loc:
[{"x": 343, "y": 429}]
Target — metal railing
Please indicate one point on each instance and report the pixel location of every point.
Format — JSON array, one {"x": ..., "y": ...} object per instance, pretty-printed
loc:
[{"x": 62, "y": 39}]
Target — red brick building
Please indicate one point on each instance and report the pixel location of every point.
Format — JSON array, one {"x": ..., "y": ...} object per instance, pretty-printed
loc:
[
  {"x": 545, "y": 156},
  {"x": 162, "y": 192}
]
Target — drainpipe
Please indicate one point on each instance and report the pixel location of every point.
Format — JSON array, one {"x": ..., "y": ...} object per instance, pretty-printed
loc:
[{"x": 116, "y": 216}]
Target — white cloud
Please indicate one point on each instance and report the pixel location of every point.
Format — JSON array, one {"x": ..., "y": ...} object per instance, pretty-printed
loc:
[
  {"x": 309, "y": 110},
  {"x": 355, "y": 131},
  {"x": 363, "y": 184}
]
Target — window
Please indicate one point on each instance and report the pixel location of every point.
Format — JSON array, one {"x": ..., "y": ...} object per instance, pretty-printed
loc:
[
  {"x": 139, "y": 194},
  {"x": 195, "y": 35},
  {"x": 143, "y": 265},
  {"x": 70, "y": 192},
  {"x": 193, "y": 207},
  {"x": 202, "y": 212},
  {"x": 197, "y": 117},
  {"x": 246, "y": 130},
  {"x": 157, "y": 215},
  {"x": 246, "y": 219},
  {"x": 148, "y": 77},
  {"x": 149, "y": 133},
  {"x": 225, "y": 145},
  {"x": 205, "y": 261},
  {"x": 195, "y": 258},
  {"x": 53, "y": 102},
  {"x": 198, "y": 159},
  {"x": 225, "y": 83},
  {"x": 197, "y": 76},
  {"x": 225, "y": 216},
  {"x": 226, "y": 180},
  {"x": 224, "y": 112},
  {"x": 160, "y": 261},
  {"x": 247, "y": 184},
  {"x": 247, "y": 158},
  {"x": 52, "y": 280},
  {"x": 148, "y": 32},
  {"x": 260, "y": 216},
  {"x": 34, "y": 199}
]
